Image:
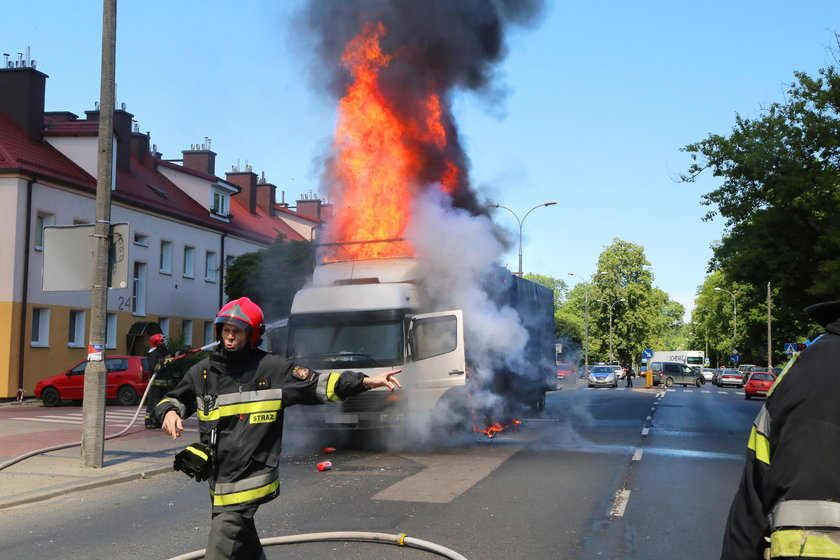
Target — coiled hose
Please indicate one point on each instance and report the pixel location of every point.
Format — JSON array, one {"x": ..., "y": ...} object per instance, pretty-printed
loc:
[{"x": 357, "y": 536}]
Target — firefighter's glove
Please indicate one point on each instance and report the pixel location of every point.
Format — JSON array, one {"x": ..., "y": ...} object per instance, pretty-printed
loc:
[{"x": 196, "y": 461}]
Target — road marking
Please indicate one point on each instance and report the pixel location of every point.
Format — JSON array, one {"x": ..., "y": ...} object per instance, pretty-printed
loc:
[
  {"x": 447, "y": 476},
  {"x": 637, "y": 455},
  {"x": 705, "y": 391},
  {"x": 653, "y": 409},
  {"x": 645, "y": 431},
  {"x": 620, "y": 503},
  {"x": 649, "y": 418},
  {"x": 723, "y": 392}
]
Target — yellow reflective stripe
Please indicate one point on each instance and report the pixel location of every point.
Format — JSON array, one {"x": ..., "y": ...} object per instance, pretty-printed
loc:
[
  {"x": 784, "y": 371},
  {"x": 798, "y": 543},
  {"x": 198, "y": 452},
  {"x": 760, "y": 445},
  {"x": 240, "y": 408},
  {"x": 245, "y": 495},
  {"x": 331, "y": 382}
]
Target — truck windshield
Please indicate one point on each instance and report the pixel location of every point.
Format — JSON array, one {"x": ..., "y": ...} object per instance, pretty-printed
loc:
[{"x": 346, "y": 345}]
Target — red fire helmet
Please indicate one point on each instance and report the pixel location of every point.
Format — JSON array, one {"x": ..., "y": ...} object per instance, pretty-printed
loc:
[
  {"x": 157, "y": 340},
  {"x": 242, "y": 313}
]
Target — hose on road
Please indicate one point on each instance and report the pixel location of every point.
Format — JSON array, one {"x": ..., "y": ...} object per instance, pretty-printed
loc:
[{"x": 348, "y": 536}]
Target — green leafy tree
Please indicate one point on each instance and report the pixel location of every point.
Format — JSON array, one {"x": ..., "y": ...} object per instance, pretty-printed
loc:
[
  {"x": 780, "y": 200},
  {"x": 272, "y": 276}
]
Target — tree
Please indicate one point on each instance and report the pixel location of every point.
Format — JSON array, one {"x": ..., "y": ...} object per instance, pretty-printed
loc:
[
  {"x": 272, "y": 276},
  {"x": 780, "y": 199}
]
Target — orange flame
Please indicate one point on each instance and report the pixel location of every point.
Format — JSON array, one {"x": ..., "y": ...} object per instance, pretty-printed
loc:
[
  {"x": 491, "y": 431},
  {"x": 378, "y": 157}
]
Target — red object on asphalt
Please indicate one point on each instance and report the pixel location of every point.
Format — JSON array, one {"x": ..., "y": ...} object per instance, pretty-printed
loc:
[
  {"x": 324, "y": 466},
  {"x": 329, "y": 450},
  {"x": 758, "y": 384}
]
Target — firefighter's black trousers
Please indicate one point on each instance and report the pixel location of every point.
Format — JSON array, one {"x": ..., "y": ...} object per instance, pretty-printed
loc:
[{"x": 233, "y": 536}]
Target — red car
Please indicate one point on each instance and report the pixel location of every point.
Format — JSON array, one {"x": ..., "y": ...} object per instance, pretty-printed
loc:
[
  {"x": 128, "y": 377},
  {"x": 564, "y": 370},
  {"x": 758, "y": 384}
]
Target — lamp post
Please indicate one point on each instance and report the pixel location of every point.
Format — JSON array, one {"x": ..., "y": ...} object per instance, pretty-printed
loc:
[
  {"x": 497, "y": 205},
  {"x": 586, "y": 317},
  {"x": 734, "y": 316},
  {"x": 610, "y": 305}
]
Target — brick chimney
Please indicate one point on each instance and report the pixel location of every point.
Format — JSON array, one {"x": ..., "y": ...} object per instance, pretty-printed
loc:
[
  {"x": 247, "y": 181},
  {"x": 140, "y": 146},
  {"x": 22, "y": 97},
  {"x": 122, "y": 133},
  {"x": 309, "y": 208},
  {"x": 200, "y": 159},
  {"x": 266, "y": 196}
]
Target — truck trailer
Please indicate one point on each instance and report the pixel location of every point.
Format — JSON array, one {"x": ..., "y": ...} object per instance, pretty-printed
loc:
[{"x": 376, "y": 315}]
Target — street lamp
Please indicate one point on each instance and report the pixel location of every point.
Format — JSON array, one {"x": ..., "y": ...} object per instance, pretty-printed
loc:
[
  {"x": 610, "y": 305},
  {"x": 734, "y": 316},
  {"x": 586, "y": 315},
  {"x": 497, "y": 205}
]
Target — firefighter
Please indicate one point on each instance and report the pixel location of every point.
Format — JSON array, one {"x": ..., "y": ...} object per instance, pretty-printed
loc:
[
  {"x": 159, "y": 359},
  {"x": 239, "y": 394},
  {"x": 788, "y": 503}
]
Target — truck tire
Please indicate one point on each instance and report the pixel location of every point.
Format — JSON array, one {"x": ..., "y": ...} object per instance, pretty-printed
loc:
[
  {"x": 538, "y": 404},
  {"x": 669, "y": 382}
]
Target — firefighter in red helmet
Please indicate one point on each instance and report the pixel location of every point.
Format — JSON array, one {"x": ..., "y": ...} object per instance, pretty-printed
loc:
[
  {"x": 239, "y": 394},
  {"x": 158, "y": 359}
]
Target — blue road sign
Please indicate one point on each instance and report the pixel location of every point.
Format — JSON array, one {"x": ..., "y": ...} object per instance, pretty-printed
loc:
[
  {"x": 647, "y": 353},
  {"x": 790, "y": 347},
  {"x": 735, "y": 358}
]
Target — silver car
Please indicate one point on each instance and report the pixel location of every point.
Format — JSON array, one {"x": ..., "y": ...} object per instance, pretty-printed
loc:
[{"x": 603, "y": 376}]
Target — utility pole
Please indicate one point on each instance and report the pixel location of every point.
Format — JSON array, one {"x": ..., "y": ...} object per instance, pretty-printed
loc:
[{"x": 93, "y": 407}]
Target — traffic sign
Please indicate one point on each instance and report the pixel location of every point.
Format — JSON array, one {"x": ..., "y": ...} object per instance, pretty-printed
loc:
[
  {"x": 647, "y": 353},
  {"x": 790, "y": 347},
  {"x": 735, "y": 358}
]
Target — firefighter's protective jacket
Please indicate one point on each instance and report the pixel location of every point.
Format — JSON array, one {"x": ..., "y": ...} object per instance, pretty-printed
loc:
[
  {"x": 242, "y": 396},
  {"x": 789, "y": 497}
]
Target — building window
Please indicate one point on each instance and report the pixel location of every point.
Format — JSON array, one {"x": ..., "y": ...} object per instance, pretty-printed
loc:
[
  {"x": 187, "y": 332},
  {"x": 138, "y": 289},
  {"x": 141, "y": 239},
  {"x": 219, "y": 203},
  {"x": 210, "y": 267},
  {"x": 165, "y": 257},
  {"x": 43, "y": 219},
  {"x": 111, "y": 331},
  {"x": 76, "y": 329},
  {"x": 163, "y": 323},
  {"x": 209, "y": 335},
  {"x": 40, "y": 327},
  {"x": 189, "y": 261}
]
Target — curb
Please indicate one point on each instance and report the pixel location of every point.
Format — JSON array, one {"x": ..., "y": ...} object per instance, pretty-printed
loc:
[{"x": 104, "y": 481}]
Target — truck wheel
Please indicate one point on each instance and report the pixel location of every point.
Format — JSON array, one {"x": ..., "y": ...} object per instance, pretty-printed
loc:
[
  {"x": 539, "y": 404},
  {"x": 699, "y": 384},
  {"x": 669, "y": 382}
]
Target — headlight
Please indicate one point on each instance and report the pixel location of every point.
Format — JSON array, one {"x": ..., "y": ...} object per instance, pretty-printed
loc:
[
  {"x": 592, "y": 378},
  {"x": 611, "y": 377}
]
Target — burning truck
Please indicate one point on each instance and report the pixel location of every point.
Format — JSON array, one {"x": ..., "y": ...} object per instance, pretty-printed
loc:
[{"x": 376, "y": 315}]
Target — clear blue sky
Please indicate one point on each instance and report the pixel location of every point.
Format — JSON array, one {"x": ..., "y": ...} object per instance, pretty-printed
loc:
[{"x": 600, "y": 98}]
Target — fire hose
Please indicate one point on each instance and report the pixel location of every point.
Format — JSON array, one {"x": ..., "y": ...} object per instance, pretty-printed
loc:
[
  {"x": 348, "y": 536},
  {"x": 20, "y": 458}
]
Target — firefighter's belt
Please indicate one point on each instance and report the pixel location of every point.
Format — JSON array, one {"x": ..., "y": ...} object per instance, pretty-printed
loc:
[{"x": 196, "y": 461}]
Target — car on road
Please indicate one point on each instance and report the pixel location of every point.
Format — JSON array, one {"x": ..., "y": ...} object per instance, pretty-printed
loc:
[
  {"x": 603, "y": 376},
  {"x": 128, "y": 377},
  {"x": 675, "y": 373},
  {"x": 565, "y": 370},
  {"x": 708, "y": 373},
  {"x": 758, "y": 384},
  {"x": 730, "y": 377}
]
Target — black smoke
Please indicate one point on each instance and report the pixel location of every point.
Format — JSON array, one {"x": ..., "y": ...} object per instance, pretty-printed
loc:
[{"x": 437, "y": 47}]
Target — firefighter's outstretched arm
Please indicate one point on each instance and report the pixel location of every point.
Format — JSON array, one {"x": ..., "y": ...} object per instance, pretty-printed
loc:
[{"x": 386, "y": 379}]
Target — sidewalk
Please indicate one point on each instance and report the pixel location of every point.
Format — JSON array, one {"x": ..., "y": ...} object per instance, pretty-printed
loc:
[{"x": 139, "y": 453}]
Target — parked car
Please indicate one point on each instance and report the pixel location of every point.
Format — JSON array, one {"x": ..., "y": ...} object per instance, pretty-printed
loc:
[
  {"x": 603, "y": 376},
  {"x": 758, "y": 384},
  {"x": 565, "y": 370},
  {"x": 620, "y": 372},
  {"x": 708, "y": 373},
  {"x": 730, "y": 377},
  {"x": 128, "y": 377},
  {"x": 670, "y": 373},
  {"x": 746, "y": 369}
]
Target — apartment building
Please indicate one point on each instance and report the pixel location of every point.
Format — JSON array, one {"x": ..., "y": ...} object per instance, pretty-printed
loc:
[{"x": 186, "y": 225}]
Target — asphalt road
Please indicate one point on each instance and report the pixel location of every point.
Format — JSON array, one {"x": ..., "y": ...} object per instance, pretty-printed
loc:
[{"x": 602, "y": 473}]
